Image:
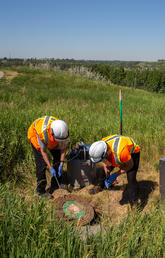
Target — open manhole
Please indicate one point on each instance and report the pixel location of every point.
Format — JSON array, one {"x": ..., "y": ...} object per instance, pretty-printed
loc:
[{"x": 74, "y": 208}]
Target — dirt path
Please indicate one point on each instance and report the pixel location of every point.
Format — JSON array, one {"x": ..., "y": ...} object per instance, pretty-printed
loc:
[
  {"x": 1, "y": 74},
  {"x": 9, "y": 75}
]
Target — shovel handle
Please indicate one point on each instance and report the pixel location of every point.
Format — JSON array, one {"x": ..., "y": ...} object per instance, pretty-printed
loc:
[{"x": 57, "y": 182}]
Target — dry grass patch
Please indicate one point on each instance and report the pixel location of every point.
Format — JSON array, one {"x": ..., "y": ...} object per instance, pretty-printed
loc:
[
  {"x": 108, "y": 201},
  {"x": 10, "y": 75}
]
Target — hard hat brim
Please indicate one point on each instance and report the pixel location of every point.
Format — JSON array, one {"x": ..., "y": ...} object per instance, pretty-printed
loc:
[
  {"x": 96, "y": 160},
  {"x": 67, "y": 139}
]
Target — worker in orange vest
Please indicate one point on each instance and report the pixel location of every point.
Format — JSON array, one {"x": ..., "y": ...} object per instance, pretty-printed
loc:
[
  {"x": 48, "y": 133},
  {"x": 118, "y": 151}
]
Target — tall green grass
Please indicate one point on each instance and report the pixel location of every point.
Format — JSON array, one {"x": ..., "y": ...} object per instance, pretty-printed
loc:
[{"x": 30, "y": 229}]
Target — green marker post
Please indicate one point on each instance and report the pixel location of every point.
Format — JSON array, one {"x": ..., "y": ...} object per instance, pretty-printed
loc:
[{"x": 120, "y": 103}]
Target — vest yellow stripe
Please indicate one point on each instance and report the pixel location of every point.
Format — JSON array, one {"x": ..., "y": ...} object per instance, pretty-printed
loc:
[
  {"x": 115, "y": 148},
  {"x": 45, "y": 127}
]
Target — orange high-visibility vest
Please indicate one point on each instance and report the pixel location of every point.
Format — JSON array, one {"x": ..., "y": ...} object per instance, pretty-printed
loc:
[
  {"x": 117, "y": 143},
  {"x": 41, "y": 128}
]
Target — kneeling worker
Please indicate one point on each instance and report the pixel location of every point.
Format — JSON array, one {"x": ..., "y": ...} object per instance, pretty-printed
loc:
[
  {"x": 118, "y": 151},
  {"x": 45, "y": 134}
]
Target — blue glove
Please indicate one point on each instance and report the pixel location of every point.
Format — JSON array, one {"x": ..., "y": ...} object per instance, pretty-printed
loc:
[
  {"x": 60, "y": 170},
  {"x": 110, "y": 180},
  {"x": 53, "y": 172}
]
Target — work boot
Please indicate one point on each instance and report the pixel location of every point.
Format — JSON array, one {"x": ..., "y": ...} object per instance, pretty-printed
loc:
[{"x": 95, "y": 190}]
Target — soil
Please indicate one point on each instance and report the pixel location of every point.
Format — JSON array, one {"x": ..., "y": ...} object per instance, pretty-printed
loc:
[
  {"x": 113, "y": 204},
  {"x": 9, "y": 75}
]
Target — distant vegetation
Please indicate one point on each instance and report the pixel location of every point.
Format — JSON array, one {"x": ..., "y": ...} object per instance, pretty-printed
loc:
[{"x": 143, "y": 75}]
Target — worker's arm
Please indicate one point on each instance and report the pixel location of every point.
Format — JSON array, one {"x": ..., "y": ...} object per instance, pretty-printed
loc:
[
  {"x": 62, "y": 157},
  {"x": 63, "y": 153},
  {"x": 112, "y": 178},
  {"x": 45, "y": 157},
  {"x": 43, "y": 149},
  {"x": 126, "y": 167},
  {"x": 107, "y": 168}
]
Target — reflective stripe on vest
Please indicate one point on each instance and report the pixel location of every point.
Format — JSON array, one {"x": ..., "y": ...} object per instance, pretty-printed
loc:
[
  {"x": 133, "y": 147},
  {"x": 111, "y": 138},
  {"x": 115, "y": 148},
  {"x": 46, "y": 122},
  {"x": 44, "y": 129},
  {"x": 37, "y": 120},
  {"x": 116, "y": 144}
]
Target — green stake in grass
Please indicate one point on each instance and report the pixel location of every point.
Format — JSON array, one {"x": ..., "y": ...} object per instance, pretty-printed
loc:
[{"x": 120, "y": 100}]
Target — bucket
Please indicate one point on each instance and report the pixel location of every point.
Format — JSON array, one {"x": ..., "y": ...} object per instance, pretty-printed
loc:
[
  {"x": 80, "y": 173},
  {"x": 79, "y": 166}
]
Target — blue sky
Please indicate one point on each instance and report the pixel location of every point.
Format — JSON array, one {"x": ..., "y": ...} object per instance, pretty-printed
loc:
[{"x": 83, "y": 29}]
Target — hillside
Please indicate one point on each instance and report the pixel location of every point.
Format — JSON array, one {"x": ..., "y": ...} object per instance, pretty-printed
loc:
[
  {"x": 91, "y": 109},
  {"x": 73, "y": 98}
]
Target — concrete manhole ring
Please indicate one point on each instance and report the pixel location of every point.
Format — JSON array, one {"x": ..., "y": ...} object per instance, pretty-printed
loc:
[{"x": 74, "y": 208}]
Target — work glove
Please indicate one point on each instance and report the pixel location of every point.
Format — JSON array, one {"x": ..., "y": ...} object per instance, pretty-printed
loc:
[
  {"x": 60, "y": 168},
  {"x": 110, "y": 180},
  {"x": 53, "y": 172}
]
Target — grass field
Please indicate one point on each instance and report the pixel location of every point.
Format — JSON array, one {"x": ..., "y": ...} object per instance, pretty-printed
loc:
[{"x": 91, "y": 109}]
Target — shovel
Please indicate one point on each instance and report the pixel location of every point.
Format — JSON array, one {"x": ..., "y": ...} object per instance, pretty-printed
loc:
[{"x": 58, "y": 183}]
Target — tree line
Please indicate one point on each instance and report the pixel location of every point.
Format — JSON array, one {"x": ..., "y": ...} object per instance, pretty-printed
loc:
[
  {"x": 143, "y": 75},
  {"x": 148, "y": 79}
]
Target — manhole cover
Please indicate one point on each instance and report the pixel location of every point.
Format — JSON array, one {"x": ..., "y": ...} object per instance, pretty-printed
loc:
[{"x": 72, "y": 207}]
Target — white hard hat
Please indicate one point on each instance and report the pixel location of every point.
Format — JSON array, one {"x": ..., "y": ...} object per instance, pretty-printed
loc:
[
  {"x": 60, "y": 130},
  {"x": 97, "y": 151}
]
